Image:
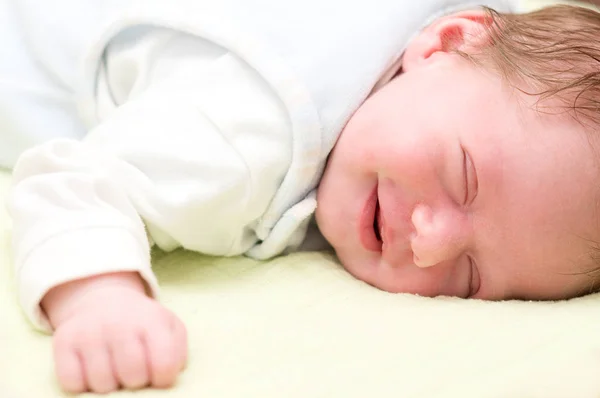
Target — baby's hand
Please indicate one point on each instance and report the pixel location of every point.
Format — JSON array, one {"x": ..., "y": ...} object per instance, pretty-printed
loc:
[{"x": 114, "y": 337}]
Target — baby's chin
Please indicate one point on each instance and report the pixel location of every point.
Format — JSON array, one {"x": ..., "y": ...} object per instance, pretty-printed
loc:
[{"x": 366, "y": 270}]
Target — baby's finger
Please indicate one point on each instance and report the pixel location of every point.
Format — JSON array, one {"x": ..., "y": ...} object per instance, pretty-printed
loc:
[
  {"x": 181, "y": 340},
  {"x": 131, "y": 364},
  {"x": 99, "y": 370},
  {"x": 69, "y": 369},
  {"x": 163, "y": 356}
]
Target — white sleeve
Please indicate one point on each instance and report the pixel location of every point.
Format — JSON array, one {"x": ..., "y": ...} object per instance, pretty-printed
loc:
[{"x": 190, "y": 148}]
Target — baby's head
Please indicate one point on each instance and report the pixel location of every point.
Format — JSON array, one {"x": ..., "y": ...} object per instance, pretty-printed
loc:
[{"x": 475, "y": 172}]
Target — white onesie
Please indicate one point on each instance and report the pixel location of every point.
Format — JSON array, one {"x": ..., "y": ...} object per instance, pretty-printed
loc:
[{"x": 184, "y": 123}]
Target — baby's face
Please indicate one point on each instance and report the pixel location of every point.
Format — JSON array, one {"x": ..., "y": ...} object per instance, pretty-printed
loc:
[{"x": 446, "y": 182}]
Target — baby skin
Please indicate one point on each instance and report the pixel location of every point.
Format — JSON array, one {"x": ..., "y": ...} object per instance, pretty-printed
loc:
[
  {"x": 109, "y": 334},
  {"x": 488, "y": 199}
]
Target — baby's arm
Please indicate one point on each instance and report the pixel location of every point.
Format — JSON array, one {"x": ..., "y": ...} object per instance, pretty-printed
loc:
[
  {"x": 195, "y": 149},
  {"x": 81, "y": 252},
  {"x": 80, "y": 249}
]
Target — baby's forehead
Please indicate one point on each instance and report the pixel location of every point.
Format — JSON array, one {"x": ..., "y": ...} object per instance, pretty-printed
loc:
[
  {"x": 552, "y": 91},
  {"x": 554, "y": 110}
]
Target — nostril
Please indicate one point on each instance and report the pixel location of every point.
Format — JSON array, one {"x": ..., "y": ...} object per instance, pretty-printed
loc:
[
  {"x": 423, "y": 263},
  {"x": 423, "y": 256},
  {"x": 416, "y": 260}
]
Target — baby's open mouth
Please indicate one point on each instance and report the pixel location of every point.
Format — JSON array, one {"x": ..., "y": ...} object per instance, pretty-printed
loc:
[
  {"x": 377, "y": 227},
  {"x": 371, "y": 224}
]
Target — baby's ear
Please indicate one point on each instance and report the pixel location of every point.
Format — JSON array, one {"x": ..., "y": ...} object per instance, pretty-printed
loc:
[{"x": 453, "y": 32}]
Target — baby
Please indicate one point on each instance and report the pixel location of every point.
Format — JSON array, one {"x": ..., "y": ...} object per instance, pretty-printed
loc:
[{"x": 464, "y": 163}]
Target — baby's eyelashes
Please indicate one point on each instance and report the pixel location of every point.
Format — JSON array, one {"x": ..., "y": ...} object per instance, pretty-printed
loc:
[
  {"x": 470, "y": 179},
  {"x": 474, "y": 277}
]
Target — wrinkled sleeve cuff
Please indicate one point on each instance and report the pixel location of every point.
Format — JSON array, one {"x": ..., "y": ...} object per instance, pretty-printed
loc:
[{"x": 75, "y": 255}]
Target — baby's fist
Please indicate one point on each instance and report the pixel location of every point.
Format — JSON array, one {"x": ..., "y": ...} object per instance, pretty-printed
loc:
[{"x": 119, "y": 338}]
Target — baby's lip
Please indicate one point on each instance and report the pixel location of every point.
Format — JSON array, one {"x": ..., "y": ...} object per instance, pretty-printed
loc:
[
  {"x": 366, "y": 231},
  {"x": 396, "y": 248},
  {"x": 384, "y": 230}
]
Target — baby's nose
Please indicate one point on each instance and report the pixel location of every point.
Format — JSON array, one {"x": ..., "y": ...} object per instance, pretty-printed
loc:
[{"x": 441, "y": 234}]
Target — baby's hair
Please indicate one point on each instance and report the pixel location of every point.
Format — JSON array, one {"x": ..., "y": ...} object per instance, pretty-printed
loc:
[{"x": 552, "y": 54}]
